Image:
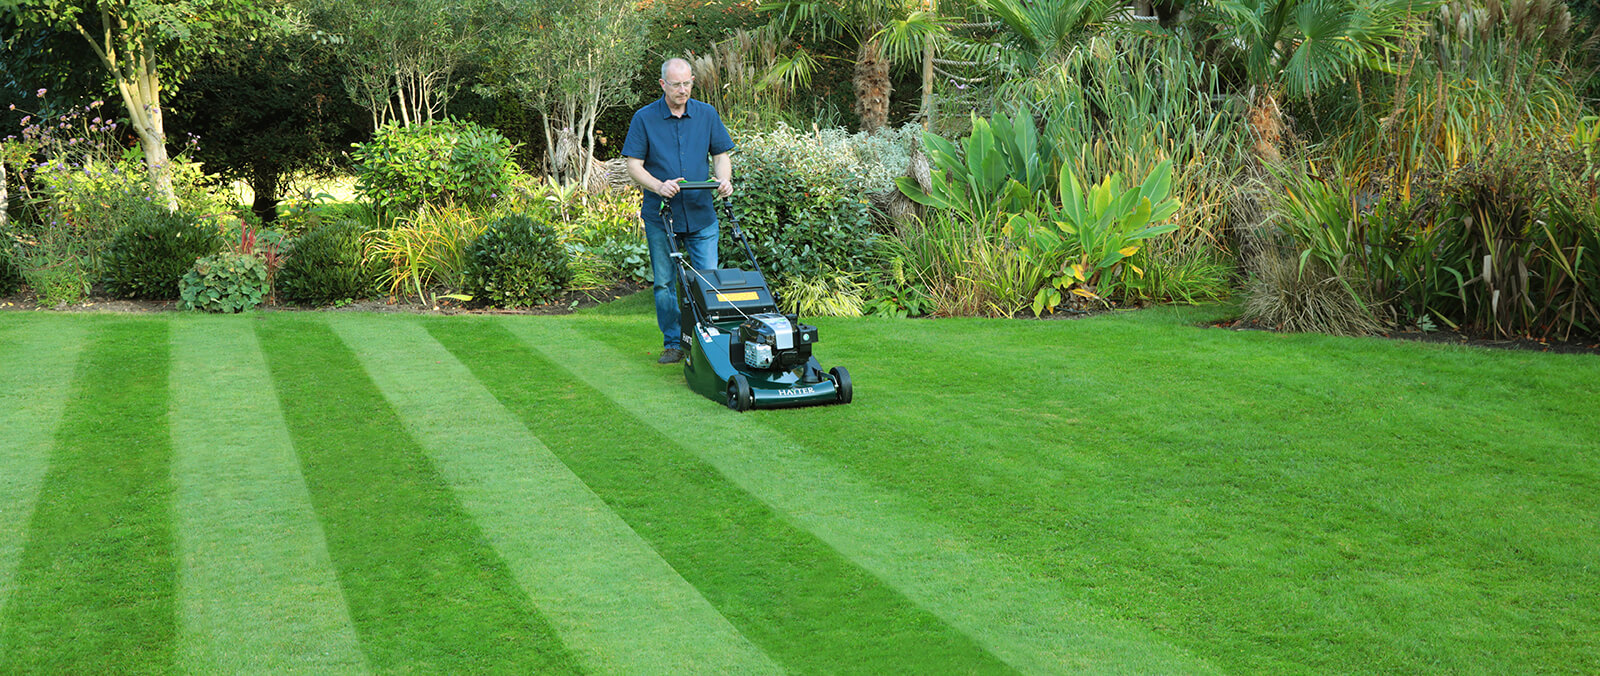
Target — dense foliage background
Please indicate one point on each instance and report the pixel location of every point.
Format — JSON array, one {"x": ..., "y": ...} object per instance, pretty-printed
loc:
[{"x": 1345, "y": 166}]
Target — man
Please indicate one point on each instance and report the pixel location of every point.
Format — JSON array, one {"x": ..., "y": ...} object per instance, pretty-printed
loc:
[{"x": 676, "y": 138}]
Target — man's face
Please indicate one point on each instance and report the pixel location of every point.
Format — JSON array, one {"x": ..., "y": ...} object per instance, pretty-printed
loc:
[{"x": 677, "y": 84}]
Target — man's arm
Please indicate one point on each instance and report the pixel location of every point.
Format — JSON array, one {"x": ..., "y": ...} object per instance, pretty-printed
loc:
[
  {"x": 722, "y": 168},
  {"x": 663, "y": 188}
]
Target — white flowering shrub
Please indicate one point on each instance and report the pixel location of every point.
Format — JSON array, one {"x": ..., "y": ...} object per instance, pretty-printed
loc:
[{"x": 802, "y": 197}]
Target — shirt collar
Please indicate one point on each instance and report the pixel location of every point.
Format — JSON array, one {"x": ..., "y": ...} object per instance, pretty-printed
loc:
[{"x": 666, "y": 111}]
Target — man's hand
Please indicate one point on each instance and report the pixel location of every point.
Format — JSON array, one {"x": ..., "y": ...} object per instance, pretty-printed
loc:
[
  {"x": 666, "y": 189},
  {"x": 722, "y": 169}
]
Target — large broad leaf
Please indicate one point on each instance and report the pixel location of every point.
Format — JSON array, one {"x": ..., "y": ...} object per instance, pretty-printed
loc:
[
  {"x": 980, "y": 157},
  {"x": 943, "y": 154},
  {"x": 1016, "y": 196},
  {"x": 1137, "y": 216},
  {"x": 1158, "y": 184},
  {"x": 1100, "y": 197},
  {"x": 1165, "y": 210},
  {"x": 1072, "y": 197},
  {"x": 912, "y": 191},
  {"x": 1152, "y": 231}
]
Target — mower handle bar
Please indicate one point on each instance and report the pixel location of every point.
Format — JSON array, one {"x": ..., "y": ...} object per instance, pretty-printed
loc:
[{"x": 733, "y": 219}]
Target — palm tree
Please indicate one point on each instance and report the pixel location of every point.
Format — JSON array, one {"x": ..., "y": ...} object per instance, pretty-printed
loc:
[
  {"x": 862, "y": 23},
  {"x": 1036, "y": 32},
  {"x": 1295, "y": 48}
]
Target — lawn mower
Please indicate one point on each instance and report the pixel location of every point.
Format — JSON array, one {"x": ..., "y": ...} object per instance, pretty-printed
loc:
[{"x": 742, "y": 350}]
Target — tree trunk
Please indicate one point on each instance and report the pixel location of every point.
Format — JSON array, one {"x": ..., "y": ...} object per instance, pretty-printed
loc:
[
  {"x": 140, "y": 88},
  {"x": 872, "y": 86},
  {"x": 265, "y": 185},
  {"x": 5, "y": 197},
  {"x": 144, "y": 95},
  {"x": 1266, "y": 124}
]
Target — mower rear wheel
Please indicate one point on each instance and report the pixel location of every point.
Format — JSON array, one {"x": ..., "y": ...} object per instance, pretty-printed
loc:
[
  {"x": 739, "y": 396},
  {"x": 841, "y": 382}
]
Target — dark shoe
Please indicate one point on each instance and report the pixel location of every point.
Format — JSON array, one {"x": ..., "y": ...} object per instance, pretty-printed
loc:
[{"x": 670, "y": 355}]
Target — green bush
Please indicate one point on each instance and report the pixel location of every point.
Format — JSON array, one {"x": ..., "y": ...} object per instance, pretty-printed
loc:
[
  {"x": 146, "y": 258},
  {"x": 10, "y": 270},
  {"x": 434, "y": 162},
  {"x": 517, "y": 262},
  {"x": 803, "y": 206},
  {"x": 327, "y": 264},
  {"x": 227, "y": 282},
  {"x": 629, "y": 257}
]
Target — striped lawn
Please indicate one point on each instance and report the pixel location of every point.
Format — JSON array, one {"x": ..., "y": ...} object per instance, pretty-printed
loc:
[
  {"x": 426, "y": 591},
  {"x": 617, "y": 605},
  {"x": 803, "y": 602},
  {"x": 257, "y": 590},
  {"x": 346, "y": 493},
  {"x": 1023, "y": 620},
  {"x": 36, "y": 364},
  {"x": 105, "y": 498}
]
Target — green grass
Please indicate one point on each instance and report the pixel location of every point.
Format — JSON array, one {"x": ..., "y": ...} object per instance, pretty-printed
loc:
[
  {"x": 1129, "y": 493},
  {"x": 94, "y": 590}
]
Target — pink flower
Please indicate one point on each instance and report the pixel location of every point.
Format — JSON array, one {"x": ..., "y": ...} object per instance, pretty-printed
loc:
[
  {"x": 40, "y": 93},
  {"x": 26, "y": 118}
]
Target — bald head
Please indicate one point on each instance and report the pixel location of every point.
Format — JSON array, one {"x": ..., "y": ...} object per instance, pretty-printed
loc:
[{"x": 676, "y": 66}]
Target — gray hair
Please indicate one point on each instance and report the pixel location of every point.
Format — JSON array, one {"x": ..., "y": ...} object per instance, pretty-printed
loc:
[{"x": 670, "y": 62}]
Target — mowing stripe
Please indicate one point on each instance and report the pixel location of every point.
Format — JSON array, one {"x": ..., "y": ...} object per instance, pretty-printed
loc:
[
  {"x": 426, "y": 592},
  {"x": 1022, "y": 619},
  {"x": 94, "y": 591},
  {"x": 613, "y": 600},
  {"x": 36, "y": 360},
  {"x": 792, "y": 594},
  {"x": 256, "y": 591}
]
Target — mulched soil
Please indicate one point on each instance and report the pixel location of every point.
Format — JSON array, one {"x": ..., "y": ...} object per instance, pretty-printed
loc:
[
  {"x": 567, "y": 303},
  {"x": 1449, "y": 337}
]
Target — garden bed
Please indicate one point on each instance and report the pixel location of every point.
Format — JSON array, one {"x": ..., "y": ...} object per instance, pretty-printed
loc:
[{"x": 567, "y": 302}]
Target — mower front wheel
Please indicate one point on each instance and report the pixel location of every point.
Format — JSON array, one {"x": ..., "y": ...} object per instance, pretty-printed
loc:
[
  {"x": 841, "y": 382},
  {"x": 739, "y": 396}
]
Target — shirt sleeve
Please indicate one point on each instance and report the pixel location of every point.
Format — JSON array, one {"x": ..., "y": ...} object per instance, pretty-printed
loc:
[
  {"x": 637, "y": 143},
  {"x": 721, "y": 142}
]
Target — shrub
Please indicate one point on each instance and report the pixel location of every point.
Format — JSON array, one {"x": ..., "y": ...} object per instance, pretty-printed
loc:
[
  {"x": 226, "y": 282},
  {"x": 803, "y": 206},
  {"x": 1287, "y": 295},
  {"x": 425, "y": 250},
  {"x": 434, "y": 162},
  {"x": 835, "y": 294},
  {"x": 57, "y": 283},
  {"x": 327, "y": 264},
  {"x": 517, "y": 262},
  {"x": 10, "y": 270},
  {"x": 629, "y": 257},
  {"x": 146, "y": 258}
]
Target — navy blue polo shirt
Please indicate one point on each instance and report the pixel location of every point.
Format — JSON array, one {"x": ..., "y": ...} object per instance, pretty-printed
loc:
[{"x": 674, "y": 147}]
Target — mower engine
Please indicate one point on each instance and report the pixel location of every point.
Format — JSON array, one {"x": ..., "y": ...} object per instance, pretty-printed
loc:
[{"x": 776, "y": 342}]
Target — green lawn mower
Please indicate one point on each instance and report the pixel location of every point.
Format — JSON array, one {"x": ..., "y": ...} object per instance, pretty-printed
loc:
[{"x": 742, "y": 350}]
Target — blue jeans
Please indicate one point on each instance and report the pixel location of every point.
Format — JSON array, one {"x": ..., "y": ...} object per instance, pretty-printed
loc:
[{"x": 701, "y": 248}]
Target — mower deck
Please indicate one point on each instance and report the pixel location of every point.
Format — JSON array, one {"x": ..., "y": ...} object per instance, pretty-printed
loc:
[{"x": 711, "y": 371}]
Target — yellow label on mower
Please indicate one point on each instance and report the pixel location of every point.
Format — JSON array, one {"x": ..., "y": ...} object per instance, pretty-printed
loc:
[{"x": 731, "y": 297}]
